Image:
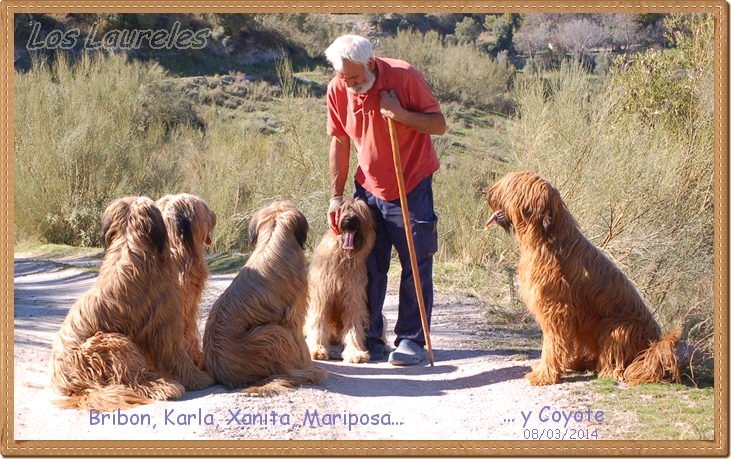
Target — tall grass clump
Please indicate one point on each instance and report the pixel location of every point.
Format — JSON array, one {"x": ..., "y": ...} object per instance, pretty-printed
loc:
[
  {"x": 86, "y": 133},
  {"x": 456, "y": 72},
  {"x": 634, "y": 163},
  {"x": 460, "y": 205}
]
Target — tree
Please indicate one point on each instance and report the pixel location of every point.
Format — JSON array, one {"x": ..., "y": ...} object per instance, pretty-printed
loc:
[
  {"x": 622, "y": 29},
  {"x": 503, "y": 32},
  {"x": 580, "y": 36},
  {"x": 468, "y": 30},
  {"x": 533, "y": 37}
]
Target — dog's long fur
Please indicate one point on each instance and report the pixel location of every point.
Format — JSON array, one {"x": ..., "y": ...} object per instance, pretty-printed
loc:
[
  {"x": 254, "y": 332},
  {"x": 591, "y": 315},
  {"x": 338, "y": 277},
  {"x": 189, "y": 222},
  {"x": 121, "y": 343}
]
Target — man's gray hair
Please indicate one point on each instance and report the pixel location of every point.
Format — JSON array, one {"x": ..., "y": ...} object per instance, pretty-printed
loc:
[{"x": 353, "y": 48}]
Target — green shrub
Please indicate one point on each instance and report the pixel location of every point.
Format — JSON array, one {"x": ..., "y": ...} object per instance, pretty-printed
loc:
[
  {"x": 673, "y": 86},
  {"x": 311, "y": 32},
  {"x": 455, "y": 72},
  {"x": 468, "y": 30},
  {"x": 502, "y": 30},
  {"x": 85, "y": 134}
]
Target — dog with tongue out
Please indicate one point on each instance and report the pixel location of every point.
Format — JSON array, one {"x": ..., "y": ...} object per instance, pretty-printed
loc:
[{"x": 338, "y": 278}]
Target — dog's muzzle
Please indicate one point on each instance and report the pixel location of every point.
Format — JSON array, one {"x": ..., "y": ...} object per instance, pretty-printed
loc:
[{"x": 348, "y": 228}]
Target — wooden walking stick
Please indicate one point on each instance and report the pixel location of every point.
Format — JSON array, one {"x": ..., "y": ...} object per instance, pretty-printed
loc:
[{"x": 409, "y": 235}]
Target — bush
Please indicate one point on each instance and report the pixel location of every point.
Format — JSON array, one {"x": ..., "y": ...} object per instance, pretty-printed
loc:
[
  {"x": 673, "y": 87},
  {"x": 455, "y": 72},
  {"x": 603, "y": 63},
  {"x": 311, "y": 32},
  {"x": 468, "y": 30},
  {"x": 101, "y": 133},
  {"x": 502, "y": 30}
]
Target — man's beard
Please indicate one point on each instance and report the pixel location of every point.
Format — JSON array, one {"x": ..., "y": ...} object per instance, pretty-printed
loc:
[{"x": 366, "y": 85}]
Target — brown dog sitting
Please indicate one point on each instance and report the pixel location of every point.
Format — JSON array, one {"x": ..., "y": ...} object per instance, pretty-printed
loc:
[
  {"x": 338, "y": 277},
  {"x": 189, "y": 223},
  {"x": 121, "y": 343},
  {"x": 253, "y": 335},
  {"x": 591, "y": 315}
]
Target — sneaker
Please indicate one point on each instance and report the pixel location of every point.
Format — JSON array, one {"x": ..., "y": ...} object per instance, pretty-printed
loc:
[{"x": 407, "y": 353}]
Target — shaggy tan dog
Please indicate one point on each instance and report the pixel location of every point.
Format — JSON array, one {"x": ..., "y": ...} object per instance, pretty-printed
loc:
[
  {"x": 189, "y": 222},
  {"x": 253, "y": 335},
  {"x": 591, "y": 315},
  {"x": 121, "y": 343},
  {"x": 338, "y": 277}
]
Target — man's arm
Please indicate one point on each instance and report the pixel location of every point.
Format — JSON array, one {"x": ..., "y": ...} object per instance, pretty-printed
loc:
[
  {"x": 427, "y": 123},
  {"x": 339, "y": 164}
]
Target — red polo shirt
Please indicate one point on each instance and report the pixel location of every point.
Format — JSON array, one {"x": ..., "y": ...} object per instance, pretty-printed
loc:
[{"x": 359, "y": 117}]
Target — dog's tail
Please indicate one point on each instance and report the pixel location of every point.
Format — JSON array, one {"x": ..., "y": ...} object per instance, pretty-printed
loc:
[
  {"x": 109, "y": 398},
  {"x": 277, "y": 384},
  {"x": 103, "y": 398},
  {"x": 107, "y": 372},
  {"x": 657, "y": 363}
]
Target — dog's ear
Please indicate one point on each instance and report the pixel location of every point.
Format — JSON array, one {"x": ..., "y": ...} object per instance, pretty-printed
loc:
[
  {"x": 547, "y": 220},
  {"x": 550, "y": 204},
  {"x": 254, "y": 230},
  {"x": 539, "y": 212},
  {"x": 114, "y": 215},
  {"x": 185, "y": 229},
  {"x": 183, "y": 216},
  {"x": 211, "y": 217},
  {"x": 301, "y": 228},
  {"x": 158, "y": 233},
  {"x": 145, "y": 220}
]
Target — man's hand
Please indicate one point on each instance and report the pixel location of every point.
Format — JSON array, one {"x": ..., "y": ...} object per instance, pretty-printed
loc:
[
  {"x": 427, "y": 123},
  {"x": 333, "y": 213},
  {"x": 390, "y": 105}
]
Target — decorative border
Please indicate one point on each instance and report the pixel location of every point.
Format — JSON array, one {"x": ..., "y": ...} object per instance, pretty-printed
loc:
[{"x": 718, "y": 447}]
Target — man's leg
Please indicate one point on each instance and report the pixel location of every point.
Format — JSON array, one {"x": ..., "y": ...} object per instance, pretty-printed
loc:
[
  {"x": 378, "y": 263},
  {"x": 423, "y": 226}
]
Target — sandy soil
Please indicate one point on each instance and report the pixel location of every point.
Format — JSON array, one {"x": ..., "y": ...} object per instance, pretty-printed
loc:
[{"x": 469, "y": 394}]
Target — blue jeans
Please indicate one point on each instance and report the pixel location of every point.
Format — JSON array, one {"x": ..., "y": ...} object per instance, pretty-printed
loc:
[{"x": 390, "y": 233}]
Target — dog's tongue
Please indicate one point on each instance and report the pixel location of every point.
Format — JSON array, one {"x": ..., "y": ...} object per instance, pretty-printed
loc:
[
  {"x": 498, "y": 213},
  {"x": 348, "y": 240},
  {"x": 208, "y": 240}
]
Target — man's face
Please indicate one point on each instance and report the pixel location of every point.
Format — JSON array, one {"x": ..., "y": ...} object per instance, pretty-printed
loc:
[{"x": 358, "y": 78}]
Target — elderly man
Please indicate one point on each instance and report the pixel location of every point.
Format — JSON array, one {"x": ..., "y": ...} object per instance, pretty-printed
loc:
[{"x": 365, "y": 92}]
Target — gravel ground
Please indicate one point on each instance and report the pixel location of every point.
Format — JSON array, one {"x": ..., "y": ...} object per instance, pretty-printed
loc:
[{"x": 469, "y": 394}]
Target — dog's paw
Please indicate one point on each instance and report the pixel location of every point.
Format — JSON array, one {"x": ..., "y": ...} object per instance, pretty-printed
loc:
[
  {"x": 355, "y": 356},
  {"x": 318, "y": 352},
  {"x": 614, "y": 373},
  {"x": 199, "y": 381},
  {"x": 541, "y": 378}
]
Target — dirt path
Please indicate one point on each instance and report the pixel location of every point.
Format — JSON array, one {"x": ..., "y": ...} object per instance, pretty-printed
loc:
[{"x": 469, "y": 394}]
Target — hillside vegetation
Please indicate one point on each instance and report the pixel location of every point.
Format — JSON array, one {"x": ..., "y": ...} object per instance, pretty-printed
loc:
[{"x": 623, "y": 129}]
